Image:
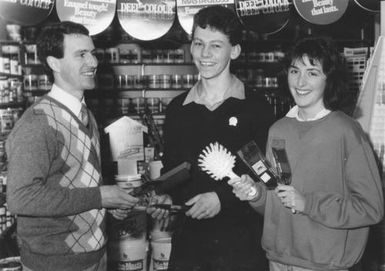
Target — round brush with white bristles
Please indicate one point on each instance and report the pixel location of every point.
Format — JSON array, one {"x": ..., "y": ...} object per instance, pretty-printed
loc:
[{"x": 218, "y": 162}]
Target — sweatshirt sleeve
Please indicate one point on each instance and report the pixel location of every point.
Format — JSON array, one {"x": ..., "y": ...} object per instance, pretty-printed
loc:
[
  {"x": 362, "y": 204},
  {"x": 31, "y": 149}
]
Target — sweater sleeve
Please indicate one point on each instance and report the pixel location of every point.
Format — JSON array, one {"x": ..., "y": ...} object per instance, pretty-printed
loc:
[
  {"x": 31, "y": 149},
  {"x": 362, "y": 204}
]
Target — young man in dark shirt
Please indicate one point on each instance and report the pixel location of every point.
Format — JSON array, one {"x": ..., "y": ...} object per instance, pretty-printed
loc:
[{"x": 219, "y": 231}]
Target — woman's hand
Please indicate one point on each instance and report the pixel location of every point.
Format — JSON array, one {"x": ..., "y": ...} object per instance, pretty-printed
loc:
[
  {"x": 291, "y": 198},
  {"x": 244, "y": 188}
]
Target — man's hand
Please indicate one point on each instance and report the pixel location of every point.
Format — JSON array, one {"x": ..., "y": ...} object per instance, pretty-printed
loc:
[
  {"x": 159, "y": 213},
  {"x": 204, "y": 206},
  {"x": 114, "y": 197}
]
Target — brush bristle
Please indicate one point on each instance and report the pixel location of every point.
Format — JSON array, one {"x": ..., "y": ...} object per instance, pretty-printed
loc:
[{"x": 216, "y": 161}]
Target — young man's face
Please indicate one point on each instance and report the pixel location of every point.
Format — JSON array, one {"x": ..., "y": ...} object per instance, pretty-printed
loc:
[
  {"x": 212, "y": 51},
  {"x": 307, "y": 84},
  {"x": 78, "y": 65}
]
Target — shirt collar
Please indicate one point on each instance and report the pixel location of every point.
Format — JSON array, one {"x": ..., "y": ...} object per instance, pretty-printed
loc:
[
  {"x": 293, "y": 113},
  {"x": 66, "y": 99},
  {"x": 235, "y": 90}
]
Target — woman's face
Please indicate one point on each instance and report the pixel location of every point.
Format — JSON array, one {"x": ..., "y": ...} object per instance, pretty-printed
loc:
[{"x": 307, "y": 84}]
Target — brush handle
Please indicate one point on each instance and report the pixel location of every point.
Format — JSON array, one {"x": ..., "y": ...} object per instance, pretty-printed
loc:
[{"x": 253, "y": 190}]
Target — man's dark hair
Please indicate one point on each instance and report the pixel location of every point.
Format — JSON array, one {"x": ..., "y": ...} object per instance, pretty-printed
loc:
[
  {"x": 221, "y": 19},
  {"x": 324, "y": 51},
  {"x": 50, "y": 41}
]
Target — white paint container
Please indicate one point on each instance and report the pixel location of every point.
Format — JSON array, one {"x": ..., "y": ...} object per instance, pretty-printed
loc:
[
  {"x": 127, "y": 254},
  {"x": 161, "y": 249}
]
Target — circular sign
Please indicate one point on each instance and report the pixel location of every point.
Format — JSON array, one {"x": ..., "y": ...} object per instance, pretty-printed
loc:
[
  {"x": 188, "y": 8},
  {"x": 369, "y": 5},
  {"x": 321, "y": 11},
  {"x": 266, "y": 17},
  {"x": 146, "y": 19},
  {"x": 25, "y": 12},
  {"x": 95, "y": 15}
]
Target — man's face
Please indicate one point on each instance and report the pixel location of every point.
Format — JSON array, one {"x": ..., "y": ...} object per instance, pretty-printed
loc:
[
  {"x": 211, "y": 51},
  {"x": 78, "y": 65}
]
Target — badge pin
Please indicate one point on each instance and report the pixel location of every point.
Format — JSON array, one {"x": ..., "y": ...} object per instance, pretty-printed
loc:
[{"x": 233, "y": 121}]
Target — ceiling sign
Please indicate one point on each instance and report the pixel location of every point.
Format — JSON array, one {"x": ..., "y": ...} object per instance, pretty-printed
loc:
[
  {"x": 25, "y": 12},
  {"x": 265, "y": 17},
  {"x": 186, "y": 10},
  {"x": 95, "y": 15},
  {"x": 369, "y": 5},
  {"x": 146, "y": 19},
  {"x": 321, "y": 12}
]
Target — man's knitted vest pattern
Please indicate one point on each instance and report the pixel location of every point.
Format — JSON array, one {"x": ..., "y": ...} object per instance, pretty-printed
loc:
[{"x": 81, "y": 153}]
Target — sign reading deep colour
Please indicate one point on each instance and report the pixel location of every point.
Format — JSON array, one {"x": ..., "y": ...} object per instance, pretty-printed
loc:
[
  {"x": 264, "y": 16},
  {"x": 146, "y": 19},
  {"x": 25, "y": 12}
]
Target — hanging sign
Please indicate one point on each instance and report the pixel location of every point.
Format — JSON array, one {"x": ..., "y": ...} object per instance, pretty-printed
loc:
[
  {"x": 321, "y": 12},
  {"x": 266, "y": 17},
  {"x": 369, "y": 5},
  {"x": 146, "y": 19},
  {"x": 95, "y": 15},
  {"x": 188, "y": 8},
  {"x": 25, "y": 12}
]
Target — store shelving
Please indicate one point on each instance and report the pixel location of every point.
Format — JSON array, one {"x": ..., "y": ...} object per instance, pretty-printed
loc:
[{"x": 11, "y": 107}]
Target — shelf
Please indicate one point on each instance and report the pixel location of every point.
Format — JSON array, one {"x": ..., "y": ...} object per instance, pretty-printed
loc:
[
  {"x": 36, "y": 65},
  {"x": 265, "y": 65},
  {"x": 119, "y": 90},
  {"x": 145, "y": 64},
  {"x": 2, "y": 199},
  {"x": 11, "y": 75},
  {"x": 112, "y": 93},
  {"x": 11, "y": 105},
  {"x": 11, "y": 42},
  {"x": 8, "y": 231},
  {"x": 37, "y": 92}
]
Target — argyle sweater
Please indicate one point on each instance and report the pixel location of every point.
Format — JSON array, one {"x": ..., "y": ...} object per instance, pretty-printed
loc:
[{"x": 54, "y": 172}]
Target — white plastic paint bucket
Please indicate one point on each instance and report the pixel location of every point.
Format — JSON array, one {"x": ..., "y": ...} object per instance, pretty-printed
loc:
[
  {"x": 160, "y": 255},
  {"x": 10, "y": 264},
  {"x": 127, "y": 254}
]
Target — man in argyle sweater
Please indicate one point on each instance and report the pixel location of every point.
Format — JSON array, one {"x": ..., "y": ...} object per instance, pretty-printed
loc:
[{"x": 55, "y": 183}]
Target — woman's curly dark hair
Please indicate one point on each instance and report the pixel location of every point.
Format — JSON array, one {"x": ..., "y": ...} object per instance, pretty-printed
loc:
[{"x": 333, "y": 65}]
